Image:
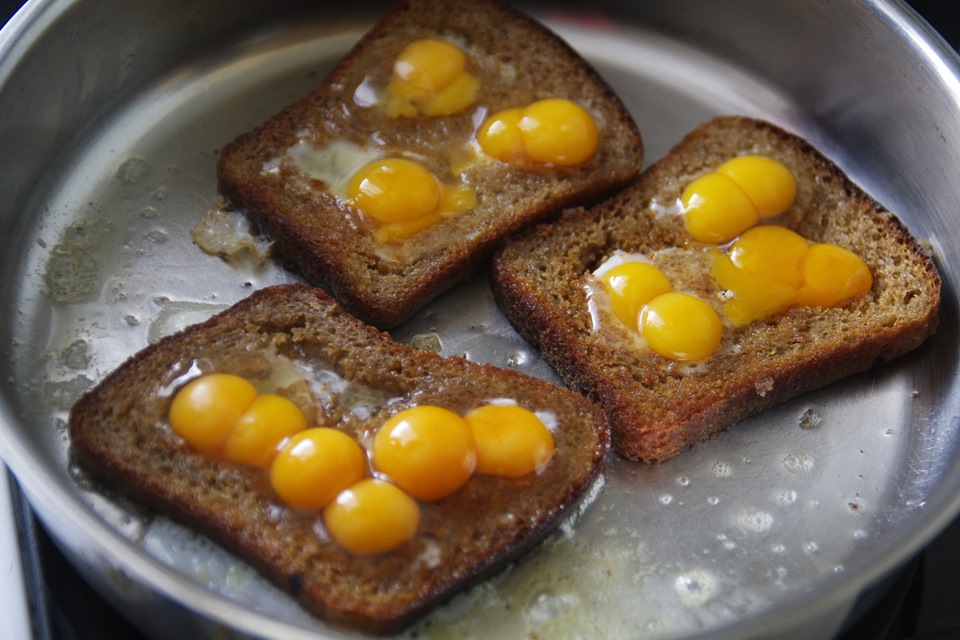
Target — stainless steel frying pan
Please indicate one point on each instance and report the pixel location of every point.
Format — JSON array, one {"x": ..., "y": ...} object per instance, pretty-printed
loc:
[{"x": 111, "y": 114}]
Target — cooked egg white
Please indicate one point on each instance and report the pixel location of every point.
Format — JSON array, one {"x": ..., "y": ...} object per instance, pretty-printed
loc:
[{"x": 334, "y": 163}]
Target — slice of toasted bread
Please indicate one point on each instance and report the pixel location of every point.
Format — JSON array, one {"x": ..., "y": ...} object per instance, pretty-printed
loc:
[
  {"x": 657, "y": 408},
  {"x": 317, "y": 234},
  {"x": 120, "y": 432}
]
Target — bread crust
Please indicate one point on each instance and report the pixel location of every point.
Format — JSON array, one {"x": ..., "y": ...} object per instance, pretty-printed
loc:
[
  {"x": 657, "y": 409},
  {"x": 119, "y": 432},
  {"x": 517, "y": 61}
]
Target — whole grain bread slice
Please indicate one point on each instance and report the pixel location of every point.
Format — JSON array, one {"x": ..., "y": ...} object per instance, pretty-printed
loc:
[
  {"x": 658, "y": 408},
  {"x": 517, "y": 61},
  {"x": 350, "y": 376}
]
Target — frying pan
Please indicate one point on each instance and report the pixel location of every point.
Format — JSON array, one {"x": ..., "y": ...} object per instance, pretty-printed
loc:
[{"x": 111, "y": 115}]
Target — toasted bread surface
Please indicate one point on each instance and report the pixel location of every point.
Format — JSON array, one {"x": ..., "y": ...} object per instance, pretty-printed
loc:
[
  {"x": 119, "y": 431},
  {"x": 658, "y": 408},
  {"x": 517, "y": 61}
]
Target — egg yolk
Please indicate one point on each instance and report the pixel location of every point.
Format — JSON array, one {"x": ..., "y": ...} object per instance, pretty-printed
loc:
[
  {"x": 315, "y": 466},
  {"x": 768, "y": 184},
  {"x": 394, "y": 190},
  {"x": 430, "y": 78},
  {"x": 630, "y": 286},
  {"x": 511, "y": 441},
  {"x": 770, "y": 269},
  {"x": 831, "y": 274},
  {"x": 371, "y": 516},
  {"x": 681, "y": 327},
  {"x": 500, "y": 135},
  {"x": 716, "y": 210},
  {"x": 773, "y": 250},
  {"x": 402, "y": 197},
  {"x": 753, "y": 294},
  {"x": 427, "y": 451},
  {"x": 262, "y": 427},
  {"x": 552, "y": 131},
  {"x": 722, "y": 204},
  {"x": 206, "y": 410}
]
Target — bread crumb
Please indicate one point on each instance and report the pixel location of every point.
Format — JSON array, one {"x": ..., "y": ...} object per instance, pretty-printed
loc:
[{"x": 764, "y": 386}]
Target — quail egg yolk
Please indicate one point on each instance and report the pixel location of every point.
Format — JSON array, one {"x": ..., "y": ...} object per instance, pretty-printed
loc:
[
  {"x": 262, "y": 427},
  {"x": 630, "y": 286},
  {"x": 831, "y": 274},
  {"x": 552, "y": 131},
  {"x": 394, "y": 190},
  {"x": 430, "y": 78},
  {"x": 767, "y": 183},
  {"x": 403, "y": 197},
  {"x": 315, "y": 466},
  {"x": 371, "y": 516},
  {"x": 511, "y": 441},
  {"x": 427, "y": 451},
  {"x": 770, "y": 268},
  {"x": 681, "y": 327},
  {"x": 720, "y": 205},
  {"x": 221, "y": 415}
]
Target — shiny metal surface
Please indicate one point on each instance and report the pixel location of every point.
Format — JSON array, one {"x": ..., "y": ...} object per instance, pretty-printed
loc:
[{"x": 109, "y": 138}]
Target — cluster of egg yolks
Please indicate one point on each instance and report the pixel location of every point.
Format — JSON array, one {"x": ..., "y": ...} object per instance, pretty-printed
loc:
[
  {"x": 222, "y": 416},
  {"x": 678, "y": 326},
  {"x": 430, "y": 77},
  {"x": 552, "y": 131},
  {"x": 427, "y": 452},
  {"x": 724, "y": 203},
  {"x": 431, "y": 452},
  {"x": 325, "y": 469},
  {"x": 769, "y": 269},
  {"x": 402, "y": 197}
]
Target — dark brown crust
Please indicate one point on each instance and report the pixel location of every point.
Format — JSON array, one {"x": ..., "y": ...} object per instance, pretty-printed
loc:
[
  {"x": 313, "y": 234},
  {"x": 119, "y": 432},
  {"x": 656, "y": 414}
]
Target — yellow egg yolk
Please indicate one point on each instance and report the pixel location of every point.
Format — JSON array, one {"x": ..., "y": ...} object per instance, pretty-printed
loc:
[
  {"x": 553, "y": 131},
  {"x": 222, "y": 416},
  {"x": 402, "y": 197},
  {"x": 630, "y": 286},
  {"x": 768, "y": 184},
  {"x": 720, "y": 205},
  {"x": 831, "y": 274},
  {"x": 371, "y": 516},
  {"x": 772, "y": 250},
  {"x": 206, "y": 410},
  {"x": 500, "y": 137},
  {"x": 263, "y": 426},
  {"x": 428, "y": 451},
  {"x": 315, "y": 466},
  {"x": 681, "y": 327},
  {"x": 511, "y": 441},
  {"x": 770, "y": 269},
  {"x": 394, "y": 190},
  {"x": 430, "y": 77},
  {"x": 716, "y": 210}
]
